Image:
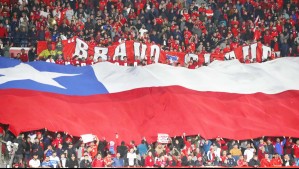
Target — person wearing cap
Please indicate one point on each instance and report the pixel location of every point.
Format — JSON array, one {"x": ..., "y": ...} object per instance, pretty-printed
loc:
[{"x": 35, "y": 162}]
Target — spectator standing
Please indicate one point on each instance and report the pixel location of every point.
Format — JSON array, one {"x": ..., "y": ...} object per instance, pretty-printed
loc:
[{"x": 279, "y": 146}]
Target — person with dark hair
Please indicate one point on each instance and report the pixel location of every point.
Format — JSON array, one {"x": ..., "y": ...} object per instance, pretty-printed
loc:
[
  {"x": 254, "y": 162},
  {"x": 72, "y": 162},
  {"x": 85, "y": 163},
  {"x": 142, "y": 148}
]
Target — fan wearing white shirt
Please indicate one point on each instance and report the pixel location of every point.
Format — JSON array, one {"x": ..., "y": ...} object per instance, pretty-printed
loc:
[
  {"x": 63, "y": 161},
  {"x": 50, "y": 59},
  {"x": 131, "y": 157},
  {"x": 249, "y": 153},
  {"x": 34, "y": 163},
  {"x": 55, "y": 160}
]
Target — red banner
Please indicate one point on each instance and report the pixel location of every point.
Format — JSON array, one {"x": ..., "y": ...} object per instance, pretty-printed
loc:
[{"x": 137, "y": 51}]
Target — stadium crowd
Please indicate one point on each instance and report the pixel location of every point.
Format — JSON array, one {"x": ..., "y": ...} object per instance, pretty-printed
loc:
[
  {"x": 196, "y": 26},
  {"x": 59, "y": 150}
]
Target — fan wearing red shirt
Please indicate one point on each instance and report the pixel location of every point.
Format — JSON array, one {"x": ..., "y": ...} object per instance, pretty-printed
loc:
[
  {"x": 233, "y": 45},
  {"x": 57, "y": 140},
  {"x": 98, "y": 162},
  {"x": 235, "y": 30},
  {"x": 227, "y": 49},
  {"x": 94, "y": 148},
  {"x": 108, "y": 160},
  {"x": 265, "y": 162},
  {"x": 151, "y": 61},
  {"x": 102, "y": 5},
  {"x": 192, "y": 46},
  {"x": 242, "y": 162},
  {"x": 257, "y": 34},
  {"x": 60, "y": 60},
  {"x": 192, "y": 64},
  {"x": 202, "y": 8},
  {"x": 89, "y": 60},
  {"x": 3, "y": 31},
  {"x": 276, "y": 161},
  {"x": 209, "y": 12},
  {"x": 267, "y": 38},
  {"x": 187, "y": 33},
  {"x": 149, "y": 160},
  {"x": 24, "y": 57},
  {"x": 75, "y": 61},
  {"x": 159, "y": 20}
]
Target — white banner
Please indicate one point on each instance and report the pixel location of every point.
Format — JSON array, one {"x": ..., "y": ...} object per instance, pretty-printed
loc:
[
  {"x": 87, "y": 138},
  {"x": 163, "y": 138}
]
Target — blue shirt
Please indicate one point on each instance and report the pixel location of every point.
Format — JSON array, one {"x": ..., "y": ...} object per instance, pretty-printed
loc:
[
  {"x": 49, "y": 153},
  {"x": 206, "y": 147},
  {"x": 118, "y": 162},
  {"x": 142, "y": 148},
  {"x": 279, "y": 147},
  {"x": 47, "y": 164}
]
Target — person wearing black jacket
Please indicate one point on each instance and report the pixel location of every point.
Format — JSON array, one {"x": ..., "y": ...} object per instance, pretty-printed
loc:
[
  {"x": 28, "y": 149},
  {"x": 21, "y": 148},
  {"x": 85, "y": 163},
  {"x": 102, "y": 147},
  {"x": 37, "y": 149},
  {"x": 122, "y": 149},
  {"x": 72, "y": 162},
  {"x": 71, "y": 150},
  {"x": 254, "y": 162},
  {"x": 270, "y": 148},
  {"x": 32, "y": 54}
]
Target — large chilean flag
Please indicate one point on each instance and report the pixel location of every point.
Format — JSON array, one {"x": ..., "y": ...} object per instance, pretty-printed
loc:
[{"x": 227, "y": 99}]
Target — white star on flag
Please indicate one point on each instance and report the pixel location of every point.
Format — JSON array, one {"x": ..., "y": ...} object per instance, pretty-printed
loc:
[{"x": 27, "y": 72}]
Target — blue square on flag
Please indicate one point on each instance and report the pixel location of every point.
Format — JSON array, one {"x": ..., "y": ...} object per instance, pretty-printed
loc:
[{"x": 172, "y": 58}]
